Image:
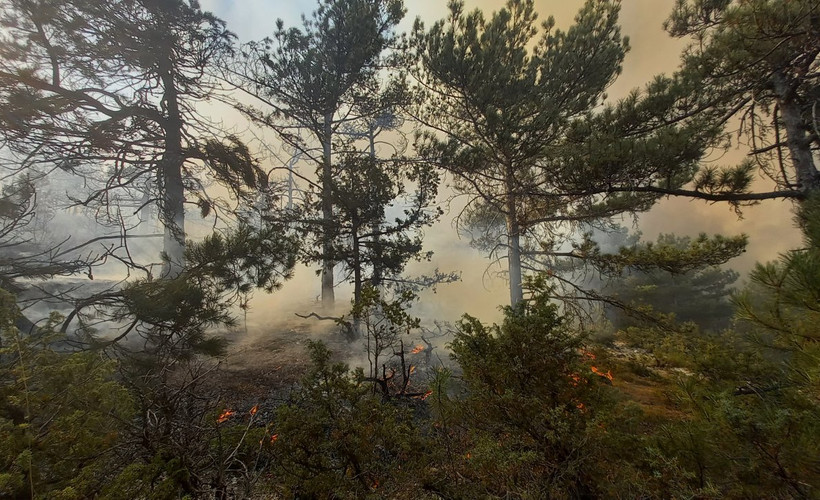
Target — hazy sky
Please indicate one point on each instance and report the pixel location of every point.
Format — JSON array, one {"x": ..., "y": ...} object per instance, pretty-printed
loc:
[{"x": 769, "y": 225}]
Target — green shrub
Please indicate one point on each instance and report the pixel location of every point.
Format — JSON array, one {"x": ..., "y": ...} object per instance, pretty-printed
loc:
[
  {"x": 61, "y": 416},
  {"x": 337, "y": 439},
  {"x": 531, "y": 404}
]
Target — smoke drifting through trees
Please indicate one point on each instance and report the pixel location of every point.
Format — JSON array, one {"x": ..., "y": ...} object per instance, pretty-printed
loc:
[
  {"x": 652, "y": 52},
  {"x": 530, "y": 407}
]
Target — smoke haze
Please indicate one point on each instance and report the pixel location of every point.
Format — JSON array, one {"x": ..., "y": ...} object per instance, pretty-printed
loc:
[{"x": 480, "y": 292}]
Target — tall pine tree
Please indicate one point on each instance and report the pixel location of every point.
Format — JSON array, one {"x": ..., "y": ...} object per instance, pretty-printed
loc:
[
  {"x": 109, "y": 90},
  {"x": 500, "y": 95},
  {"x": 315, "y": 78}
]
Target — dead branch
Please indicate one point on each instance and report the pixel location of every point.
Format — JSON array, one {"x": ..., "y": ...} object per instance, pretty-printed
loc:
[{"x": 348, "y": 326}]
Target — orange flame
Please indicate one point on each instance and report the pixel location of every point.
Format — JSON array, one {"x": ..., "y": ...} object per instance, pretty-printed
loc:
[
  {"x": 273, "y": 438},
  {"x": 596, "y": 371},
  {"x": 254, "y": 410},
  {"x": 580, "y": 406},
  {"x": 412, "y": 369},
  {"x": 588, "y": 354},
  {"x": 417, "y": 349},
  {"x": 426, "y": 395},
  {"x": 224, "y": 416}
]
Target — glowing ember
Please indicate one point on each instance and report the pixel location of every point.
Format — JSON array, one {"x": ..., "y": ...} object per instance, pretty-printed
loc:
[
  {"x": 254, "y": 410},
  {"x": 580, "y": 406},
  {"x": 225, "y": 416},
  {"x": 596, "y": 371},
  {"x": 412, "y": 369},
  {"x": 426, "y": 395},
  {"x": 588, "y": 354},
  {"x": 417, "y": 349},
  {"x": 274, "y": 437}
]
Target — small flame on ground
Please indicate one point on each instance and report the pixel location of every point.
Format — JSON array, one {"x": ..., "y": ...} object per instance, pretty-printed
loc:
[
  {"x": 426, "y": 395},
  {"x": 254, "y": 410},
  {"x": 224, "y": 416},
  {"x": 588, "y": 354},
  {"x": 417, "y": 349},
  {"x": 580, "y": 406},
  {"x": 596, "y": 371},
  {"x": 273, "y": 438},
  {"x": 412, "y": 369}
]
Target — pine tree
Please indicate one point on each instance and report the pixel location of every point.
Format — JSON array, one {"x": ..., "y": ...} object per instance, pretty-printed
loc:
[
  {"x": 500, "y": 95},
  {"x": 749, "y": 77},
  {"x": 700, "y": 295},
  {"x": 109, "y": 90},
  {"x": 317, "y": 78},
  {"x": 370, "y": 241},
  {"x": 759, "y": 60}
]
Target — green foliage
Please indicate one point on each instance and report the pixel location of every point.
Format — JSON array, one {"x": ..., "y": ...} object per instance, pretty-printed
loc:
[
  {"x": 231, "y": 163},
  {"x": 748, "y": 63},
  {"x": 243, "y": 259},
  {"x": 500, "y": 94},
  {"x": 777, "y": 416},
  {"x": 735, "y": 444},
  {"x": 782, "y": 304},
  {"x": 719, "y": 356},
  {"x": 301, "y": 69},
  {"x": 120, "y": 80},
  {"x": 531, "y": 403},
  {"x": 751, "y": 404},
  {"x": 383, "y": 318},
  {"x": 327, "y": 77},
  {"x": 179, "y": 447},
  {"x": 371, "y": 247},
  {"x": 222, "y": 270},
  {"x": 675, "y": 255},
  {"x": 528, "y": 411},
  {"x": 336, "y": 438},
  {"x": 62, "y": 416},
  {"x": 393, "y": 311},
  {"x": 676, "y": 276},
  {"x": 209, "y": 457}
]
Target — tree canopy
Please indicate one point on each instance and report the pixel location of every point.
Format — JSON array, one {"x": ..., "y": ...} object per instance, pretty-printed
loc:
[{"x": 501, "y": 93}]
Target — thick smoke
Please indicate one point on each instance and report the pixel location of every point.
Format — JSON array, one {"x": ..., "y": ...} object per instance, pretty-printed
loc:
[{"x": 481, "y": 292}]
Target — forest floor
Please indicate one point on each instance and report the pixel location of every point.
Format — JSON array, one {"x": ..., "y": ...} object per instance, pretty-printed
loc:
[{"x": 263, "y": 369}]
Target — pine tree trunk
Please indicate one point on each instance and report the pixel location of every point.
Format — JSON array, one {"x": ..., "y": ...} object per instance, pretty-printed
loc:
[
  {"x": 376, "y": 279},
  {"x": 798, "y": 141},
  {"x": 357, "y": 276},
  {"x": 328, "y": 296},
  {"x": 513, "y": 244},
  {"x": 173, "y": 191},
  {"x": 514, "y": 258}
]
